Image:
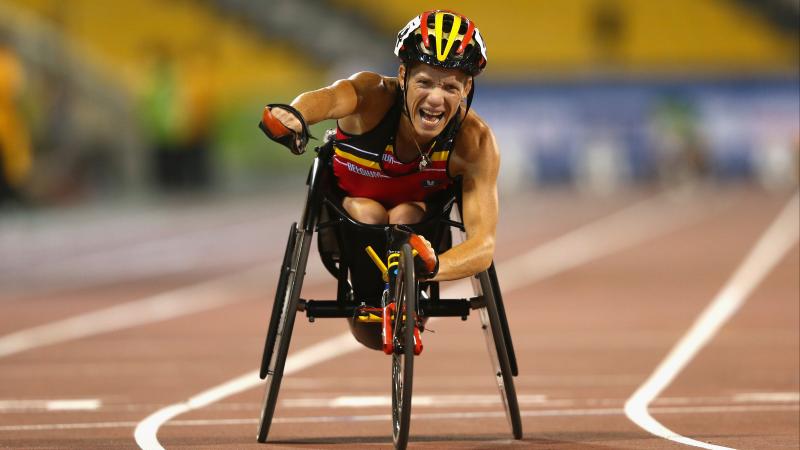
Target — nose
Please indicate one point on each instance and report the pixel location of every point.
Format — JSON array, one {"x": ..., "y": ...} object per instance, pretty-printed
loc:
[{"x": 436, "y": 97}]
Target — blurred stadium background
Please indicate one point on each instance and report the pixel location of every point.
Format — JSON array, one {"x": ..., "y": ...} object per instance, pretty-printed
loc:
[{"x": 108, "y": 100}]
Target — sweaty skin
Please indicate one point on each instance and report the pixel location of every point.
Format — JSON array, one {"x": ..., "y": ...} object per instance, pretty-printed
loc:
[{"x": 432, "y": 98}]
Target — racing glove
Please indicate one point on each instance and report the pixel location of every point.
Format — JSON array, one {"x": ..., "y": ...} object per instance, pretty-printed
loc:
[{"x": 280, "y": 133}]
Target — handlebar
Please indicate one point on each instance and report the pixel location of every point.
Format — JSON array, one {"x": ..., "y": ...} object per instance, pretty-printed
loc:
[{"x": 427, "y": 255}]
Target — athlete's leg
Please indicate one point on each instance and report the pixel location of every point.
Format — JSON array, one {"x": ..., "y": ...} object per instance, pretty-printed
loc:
[
  {"x": 407, "y": 213},
  {"x": 365, "y": 210}
]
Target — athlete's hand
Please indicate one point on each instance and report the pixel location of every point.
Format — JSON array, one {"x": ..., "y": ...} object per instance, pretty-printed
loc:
[
  {"x": 287, "y": 119},
  {"x": 285, "y": 125}
]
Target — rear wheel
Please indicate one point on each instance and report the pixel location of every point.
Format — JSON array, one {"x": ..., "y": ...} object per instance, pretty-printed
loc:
[
  {"x": 279, "y": 337},
  {"x": 403, "y": 339},
  {"x": 492, "y": 325}
]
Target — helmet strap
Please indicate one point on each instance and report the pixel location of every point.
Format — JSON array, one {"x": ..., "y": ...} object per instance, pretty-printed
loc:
[
  {"x": 452, "y": 134},
  {"x": 403, "y": 91}
]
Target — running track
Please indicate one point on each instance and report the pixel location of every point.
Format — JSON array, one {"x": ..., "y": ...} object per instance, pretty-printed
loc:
[{"x": 113, "y": 321}]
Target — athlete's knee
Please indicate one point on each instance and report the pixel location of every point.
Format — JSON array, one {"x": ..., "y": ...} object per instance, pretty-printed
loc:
[
  {"x": 365, "y": 210},
  {"x": 407, "y": 213}
]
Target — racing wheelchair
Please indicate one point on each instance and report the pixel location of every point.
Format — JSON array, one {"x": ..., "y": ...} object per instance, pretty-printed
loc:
[{"x": 386, "y": 307}]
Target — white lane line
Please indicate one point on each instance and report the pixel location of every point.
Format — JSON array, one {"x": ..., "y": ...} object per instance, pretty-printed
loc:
[
  {"x": 424, "y": 401},
  {"x": 164, "y": 306},
  {"x": 419, "y": 416},
  {"x": 767, "y": 397},
  {"x": 644, "y": 220},
  {"x": 779, "y": 238},
  {"x": 146, "y": 431},
  {"x": 89, "y": 404},
  {"x": 453, "y": 400}
]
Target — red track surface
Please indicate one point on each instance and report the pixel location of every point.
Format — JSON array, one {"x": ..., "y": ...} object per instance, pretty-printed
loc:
[{"x": 586, "y": 337}]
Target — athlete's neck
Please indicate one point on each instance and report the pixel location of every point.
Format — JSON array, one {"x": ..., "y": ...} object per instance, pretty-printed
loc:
[{"x": 408, "y": 145}]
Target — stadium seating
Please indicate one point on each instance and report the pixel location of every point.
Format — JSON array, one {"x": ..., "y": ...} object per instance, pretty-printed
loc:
[
  {"x": 525, "y": 36},
  {"x": 126, "y": 35}
]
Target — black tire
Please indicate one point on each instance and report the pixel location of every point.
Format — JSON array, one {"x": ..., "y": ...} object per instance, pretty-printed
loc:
[
  {"x": 403, "y": 356},
  {"x": 491, "y": 323},
  {"x": 277, "y": 305},
  {"x": 283, "y": 332},
  {"x": 498, "y": 297}
]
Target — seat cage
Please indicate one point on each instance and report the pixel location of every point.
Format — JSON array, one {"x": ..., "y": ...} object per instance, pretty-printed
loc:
[{"x": 341, "y": 239}]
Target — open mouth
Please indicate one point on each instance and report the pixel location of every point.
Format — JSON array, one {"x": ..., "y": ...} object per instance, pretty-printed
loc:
[{"x": 430, "y": 118}]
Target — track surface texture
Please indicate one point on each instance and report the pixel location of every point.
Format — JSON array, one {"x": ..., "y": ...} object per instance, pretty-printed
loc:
[{"x": 113, "y": 320}]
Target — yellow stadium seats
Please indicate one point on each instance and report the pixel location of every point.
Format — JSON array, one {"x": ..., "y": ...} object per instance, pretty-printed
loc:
[
  {"x": 126, "y": 35},
  {"x": 526, "y": 36}
]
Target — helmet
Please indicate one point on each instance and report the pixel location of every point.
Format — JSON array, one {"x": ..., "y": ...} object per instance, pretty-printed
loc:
[{"x": 442, "y": 38}]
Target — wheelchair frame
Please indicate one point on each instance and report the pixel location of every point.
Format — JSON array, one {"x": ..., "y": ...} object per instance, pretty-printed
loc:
[{"x": 488, "y": 298}]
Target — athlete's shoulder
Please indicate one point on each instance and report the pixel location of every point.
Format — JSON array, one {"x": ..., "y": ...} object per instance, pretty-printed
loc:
[
  {"x": 475, "y": 125},
  {"x": 375, "y": 95},
  {"x": 372, "y": 83},
  {"x": 475, "y": 138},
  {"x": 475, "y": 153}
]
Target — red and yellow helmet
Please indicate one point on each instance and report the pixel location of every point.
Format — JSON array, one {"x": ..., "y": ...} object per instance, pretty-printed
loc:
[{"x": 442, "y": 38}]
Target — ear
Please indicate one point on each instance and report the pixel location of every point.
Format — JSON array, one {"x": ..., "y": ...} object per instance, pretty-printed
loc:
[{"x": 401, "y": 76}]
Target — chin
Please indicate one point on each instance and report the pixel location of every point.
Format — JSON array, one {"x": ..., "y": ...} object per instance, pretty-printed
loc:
[{"x": 428, "y": 133}]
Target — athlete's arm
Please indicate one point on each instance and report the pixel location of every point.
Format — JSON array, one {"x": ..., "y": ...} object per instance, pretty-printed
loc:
[
  {"x": 477, "y": 160},
  {"x": 341, "y": 99}
]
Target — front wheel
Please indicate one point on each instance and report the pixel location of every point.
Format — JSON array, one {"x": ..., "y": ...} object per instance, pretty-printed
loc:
[
  {"x": 280, "y": 332},
  {"x": 493, "y": 326},
  {"x": 403, "y": 325}
]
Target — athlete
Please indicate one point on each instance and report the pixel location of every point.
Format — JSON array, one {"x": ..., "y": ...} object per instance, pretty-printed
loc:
[{"x": 399, "y": 140}]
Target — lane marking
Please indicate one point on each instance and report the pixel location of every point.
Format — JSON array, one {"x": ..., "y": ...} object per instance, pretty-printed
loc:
[
  {"x": 381, "y": 400},
  {"x": 90, "y": 404},
  {"x": 192, "y": 299},
  {"x": 452, "y": 400},
  {"x": 350, "y": 384},
  {"x": 643, "y": 220},
  {"x": 146, "y": 430},
  {"x": 429, "y": 401},
  {"x": 770, "y": 249},
  {"x": 164, "y": 306},
  {"x": 416, "y": 416},
  {"x": 767, "y": 397}
]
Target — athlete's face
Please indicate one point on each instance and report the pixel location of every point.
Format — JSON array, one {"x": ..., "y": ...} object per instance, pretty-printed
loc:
[{"x": 432, "y": 97}]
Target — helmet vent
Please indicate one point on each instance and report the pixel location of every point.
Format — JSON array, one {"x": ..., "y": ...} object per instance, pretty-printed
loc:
[
  {"x": 426, "y": 37},
  {"x": 457, "y": 45}
]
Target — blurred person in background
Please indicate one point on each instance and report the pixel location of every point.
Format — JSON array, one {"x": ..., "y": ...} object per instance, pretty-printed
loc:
[
  {"x": 681, "y": 156},
  {"x": 199, "y": 115},
  {"x": 177, "y": 114},
  {"x": 15, "y": 147},
  {"x": 400, "y": 140}
]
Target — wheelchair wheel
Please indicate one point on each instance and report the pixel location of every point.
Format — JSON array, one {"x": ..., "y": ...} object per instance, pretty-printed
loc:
[
  {"x": 277, "y": 305},
  {"x": 281, "y": 324},
  {"x": 403, "y": 340},
  {"x": 492, "y": 325}
]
